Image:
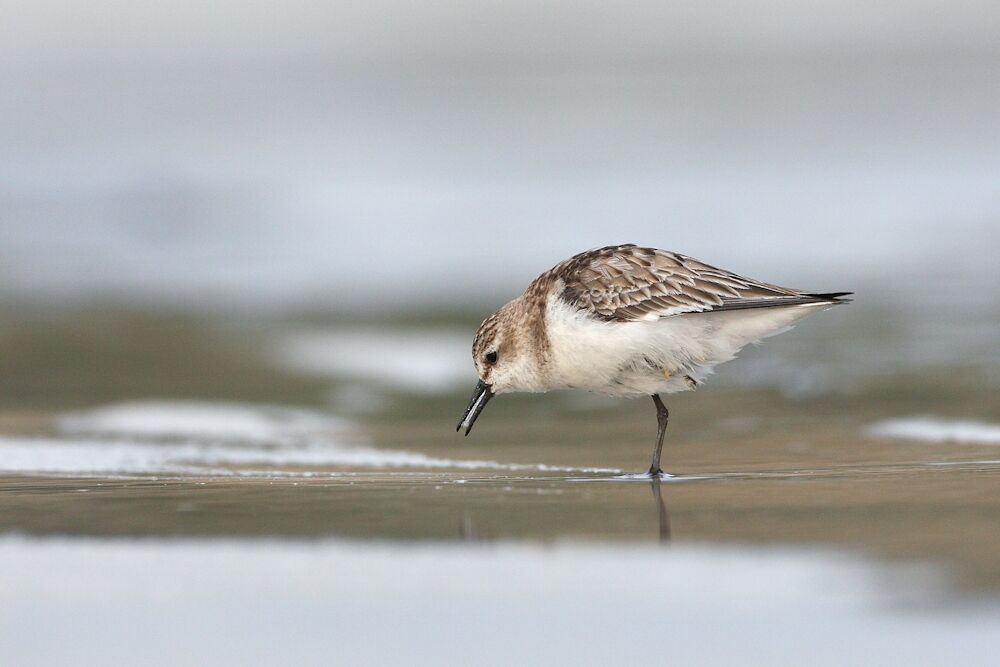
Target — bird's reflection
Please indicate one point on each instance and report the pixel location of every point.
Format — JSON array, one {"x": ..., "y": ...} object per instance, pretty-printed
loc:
[
  {"x": 661, "y": 509},
  {"x": 468, "y": 529}
]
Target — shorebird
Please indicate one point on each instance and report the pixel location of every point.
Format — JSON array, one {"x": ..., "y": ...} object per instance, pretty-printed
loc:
[{"x": 628, "y": 321}]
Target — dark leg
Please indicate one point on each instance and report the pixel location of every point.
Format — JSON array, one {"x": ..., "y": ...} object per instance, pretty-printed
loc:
[
  {"x": 661, "y": 510},
  {"x": 661, "y": 428}
]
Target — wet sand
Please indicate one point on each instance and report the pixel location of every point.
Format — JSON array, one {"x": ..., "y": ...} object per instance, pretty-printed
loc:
[
  {"x": 894, "y": 505},
  {"x": 167, "y": 474}
]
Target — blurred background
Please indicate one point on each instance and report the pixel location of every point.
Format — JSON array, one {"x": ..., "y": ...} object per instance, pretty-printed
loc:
[
  {"x": 244, "y": 247},
  {"x": 273, "y": 157},
  {"x": 259, "y": 162}
]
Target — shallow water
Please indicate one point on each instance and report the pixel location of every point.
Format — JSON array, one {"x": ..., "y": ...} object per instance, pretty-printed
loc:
[
  {"x": 164, "y": 473},
  {"x": 275, "y": 602},
  {"x": 432, "y": 566}
]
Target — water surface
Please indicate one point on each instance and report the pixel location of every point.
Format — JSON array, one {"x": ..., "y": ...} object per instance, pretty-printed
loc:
[{"x": 165, "y": 471}]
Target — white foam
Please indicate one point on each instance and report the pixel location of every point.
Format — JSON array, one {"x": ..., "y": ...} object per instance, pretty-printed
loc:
[
  {"x": 200, "y": 419},
  {"x": 424, "y": 360},
  {"x": 264, "y": 602},
  {"x": 76, "y": 456},
  {"x": 928, "y": 429},
  {"x": 190, "y": 437}
]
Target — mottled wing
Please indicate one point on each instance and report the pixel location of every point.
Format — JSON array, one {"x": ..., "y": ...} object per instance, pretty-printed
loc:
[{"x": 629, "y": 283}]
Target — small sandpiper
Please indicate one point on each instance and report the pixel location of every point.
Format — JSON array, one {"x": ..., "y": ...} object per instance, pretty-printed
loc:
[{"x": 628, "y": 321}]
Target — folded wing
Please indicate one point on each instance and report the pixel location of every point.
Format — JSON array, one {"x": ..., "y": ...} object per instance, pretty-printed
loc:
[{"x": 628, "y": 283}]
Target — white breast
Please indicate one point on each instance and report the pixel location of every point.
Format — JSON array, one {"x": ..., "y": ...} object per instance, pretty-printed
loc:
[{"x": 658, "y": 356}]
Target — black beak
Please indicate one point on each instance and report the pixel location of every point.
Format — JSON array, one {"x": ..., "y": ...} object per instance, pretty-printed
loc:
[{"x": 481, "y": 395}]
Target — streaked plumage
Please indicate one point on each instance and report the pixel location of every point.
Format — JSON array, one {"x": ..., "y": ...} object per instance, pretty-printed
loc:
[
  {"x": 626, "y": 284},
  {"x": 625, "y": 320}
]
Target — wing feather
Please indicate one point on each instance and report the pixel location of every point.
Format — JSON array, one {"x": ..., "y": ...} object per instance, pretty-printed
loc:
[{"x": 629, "y": 283}]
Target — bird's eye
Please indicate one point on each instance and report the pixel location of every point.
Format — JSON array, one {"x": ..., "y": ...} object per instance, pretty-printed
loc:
[{"x": 491, "y": 358}]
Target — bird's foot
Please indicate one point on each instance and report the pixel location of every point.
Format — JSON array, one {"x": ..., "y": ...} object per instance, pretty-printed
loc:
[{"x": 655, "y": 472}]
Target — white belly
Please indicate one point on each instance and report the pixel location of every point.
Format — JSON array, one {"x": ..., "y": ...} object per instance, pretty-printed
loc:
[{"x": 661, "y": 356}]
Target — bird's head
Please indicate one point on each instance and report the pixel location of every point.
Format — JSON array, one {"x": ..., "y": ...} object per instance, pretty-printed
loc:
[{"x": 504, "y": 360}]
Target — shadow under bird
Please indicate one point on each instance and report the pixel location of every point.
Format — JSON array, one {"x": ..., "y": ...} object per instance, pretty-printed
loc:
[{"x": 628, "y": 321}]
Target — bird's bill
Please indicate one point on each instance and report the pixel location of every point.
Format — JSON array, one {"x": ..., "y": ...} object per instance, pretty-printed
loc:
[{"x": 481, "y": 395}]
